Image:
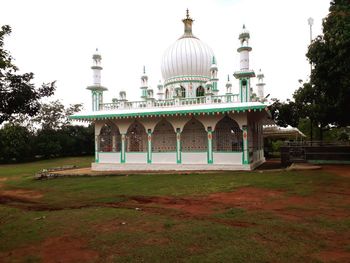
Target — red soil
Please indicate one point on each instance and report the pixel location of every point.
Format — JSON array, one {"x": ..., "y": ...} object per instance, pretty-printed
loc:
[
  {"x": 55, "y": 250},
  {"x": 341, "y": 170}
]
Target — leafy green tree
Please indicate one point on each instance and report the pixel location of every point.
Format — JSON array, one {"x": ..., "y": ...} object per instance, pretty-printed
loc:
[
  {"x": 325, "y": 101},
  {"x": 285, "y": 113},
  {"x": 18, "y": 95},
  {"x": 54, "y": 115},
  {"x": 330, "y": 77},
  {"x": 15, "y": 143}
]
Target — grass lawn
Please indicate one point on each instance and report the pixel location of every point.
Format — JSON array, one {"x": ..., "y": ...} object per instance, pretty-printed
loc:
[{"x": 255, "y": 216}]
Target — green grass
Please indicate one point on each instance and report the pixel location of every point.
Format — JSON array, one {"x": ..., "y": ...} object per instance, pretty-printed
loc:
[
  {"x": 123, "y": 234},
  {"x": 28, "y": 169}
]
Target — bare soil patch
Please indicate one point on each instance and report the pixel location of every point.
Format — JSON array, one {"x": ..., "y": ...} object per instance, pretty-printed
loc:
[
  {"x": 55, "y": 250},
  {"x": 20, "y": 198},
  {"x": 341, "y": 170},
  {"x": 289, "y": 207},
  {"x": 22, "y": 194},
  {"x": 333, "y": 256}
]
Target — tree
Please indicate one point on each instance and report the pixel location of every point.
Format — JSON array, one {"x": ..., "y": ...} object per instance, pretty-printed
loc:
[
  {"x": 325, "y": 100},
  {"x": 56, "y": 136},
  {"x": 54, "y": 115},
  {"x": 15, "y": 143},
  {"x": 330, "y": 77},
  {"x": 17, "y": 94},
  {"x": 285, "y": 113}
]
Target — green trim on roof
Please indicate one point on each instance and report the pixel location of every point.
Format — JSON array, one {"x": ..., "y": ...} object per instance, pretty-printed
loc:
[{"x": 161, "y": 113}]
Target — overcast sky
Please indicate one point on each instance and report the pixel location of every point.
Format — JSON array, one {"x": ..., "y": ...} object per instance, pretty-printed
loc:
[{"x": 55, "y": 39}]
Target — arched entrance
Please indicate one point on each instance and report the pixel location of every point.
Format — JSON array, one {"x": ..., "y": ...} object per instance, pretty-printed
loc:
[
  {"x": 109, "y": 139},
  {"x": 194, "y": 137},
  {"x": 200, "y": 91},
  {"x": 167, "y": 96},
  {"x": 227, "y": 137},
  {"x": 165, "y": 137},
  {"x": 182, "y": 92},
  {"x": 194, "y": 143},
  {"x": 164, "y": 143},
  {"x": 227, "y": 142},
  {"x": 136, "y": 138}
]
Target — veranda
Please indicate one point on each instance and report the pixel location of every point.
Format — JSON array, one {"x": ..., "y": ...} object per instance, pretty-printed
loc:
[{"x": 228, "y": 140}]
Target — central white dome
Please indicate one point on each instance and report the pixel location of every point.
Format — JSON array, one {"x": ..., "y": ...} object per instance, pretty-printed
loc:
[{"x": 187, "y": 57}]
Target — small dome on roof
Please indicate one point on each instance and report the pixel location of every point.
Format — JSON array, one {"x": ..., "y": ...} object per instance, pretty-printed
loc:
[{"x": 244, "y": 33}]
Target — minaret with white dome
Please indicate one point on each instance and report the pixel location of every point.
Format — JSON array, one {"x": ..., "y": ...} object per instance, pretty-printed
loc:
[
  {"x": 214, "y": 76},
  {"x": 160, "y": 91},
  {"x": 144, "y": 84},
  {"x": 228, "y": 86},
  {"x": 96, "y": 89},
  {"x": 261, "y": 85},
  {"x": 244, "y": 74}
]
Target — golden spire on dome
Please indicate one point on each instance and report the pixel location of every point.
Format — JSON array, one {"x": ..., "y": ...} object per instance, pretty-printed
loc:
[{"x": 188, "y": 25}]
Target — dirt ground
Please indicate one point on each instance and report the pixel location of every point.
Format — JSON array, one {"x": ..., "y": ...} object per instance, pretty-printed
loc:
[
  {"x": 287, "y": 207},
  {"x": 56, "y": 250}
]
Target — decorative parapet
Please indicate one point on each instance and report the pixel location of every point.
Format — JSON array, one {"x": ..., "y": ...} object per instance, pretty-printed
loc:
[{"x": 228, "y": 98}]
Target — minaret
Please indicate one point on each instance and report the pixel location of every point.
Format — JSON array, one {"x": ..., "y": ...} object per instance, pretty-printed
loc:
[
  {"x": 214, "y": 76},
  {"x": 228, "y": 86},
  {"x": 244, "y": 74},
  {"x": 260, "y": 85},
  {"x": 96, "y": 89},
  {"x": 160, "y": 91},
  {"x": 144, "y": 84}
]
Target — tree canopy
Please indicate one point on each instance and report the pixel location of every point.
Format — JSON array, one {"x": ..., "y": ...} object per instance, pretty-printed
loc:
[
  {"x": 18, "y": 95},
  {"x": 325, "y": 100},
  {"x": 330, "y": 77}
]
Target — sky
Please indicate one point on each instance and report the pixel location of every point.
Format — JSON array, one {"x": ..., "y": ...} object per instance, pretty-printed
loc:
[{"x": 56, "y": 39}]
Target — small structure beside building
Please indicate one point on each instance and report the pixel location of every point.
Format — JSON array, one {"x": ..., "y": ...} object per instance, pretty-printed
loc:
[{"x": 189, "y": 125}]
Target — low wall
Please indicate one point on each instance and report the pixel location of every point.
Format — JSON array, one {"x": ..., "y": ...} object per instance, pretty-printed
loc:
[
  {"x": 194, "y": 157},
  {"x": 109, "y": 157},
  {"x": 164, "y": 157},
  {"x": 227, "y": 157},
  {"x": 319, "y": 154},
  {"x": 136, "y": 157},
  {"x": 167, "y": 167}
]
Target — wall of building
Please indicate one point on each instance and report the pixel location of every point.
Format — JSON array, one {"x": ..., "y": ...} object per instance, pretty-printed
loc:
[
  {"x": 227, "y": 157},
  {"x": 194, "y": 145}
]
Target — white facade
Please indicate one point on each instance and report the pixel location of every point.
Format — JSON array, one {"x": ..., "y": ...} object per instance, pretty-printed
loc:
[{"x": 189, "y": 126}]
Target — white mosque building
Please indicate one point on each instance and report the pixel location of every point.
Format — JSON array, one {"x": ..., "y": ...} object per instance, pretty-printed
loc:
[{"x": 188, "y": 125}]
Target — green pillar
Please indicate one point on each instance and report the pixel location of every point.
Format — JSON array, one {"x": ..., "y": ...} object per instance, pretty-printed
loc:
[
  {"x": 113, "y": 143},
  {"x": 244, "y": 90},
  {"x": 178, "y": 145},
  {"x": 210, "y": 146},
  {"x": 122, "y": 150},
  {"x": 97, "y": 148},
  {"x": 245, "y": 156},
  {"x": 149, "y": 146}
]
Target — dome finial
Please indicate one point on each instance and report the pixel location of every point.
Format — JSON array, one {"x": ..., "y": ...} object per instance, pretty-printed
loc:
[
  {"x": 228, "y": 77},
  {"x": 243, "y": 26},
  {"x": 144, "y": 69},
  {"x": 188, "y": 24}
]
